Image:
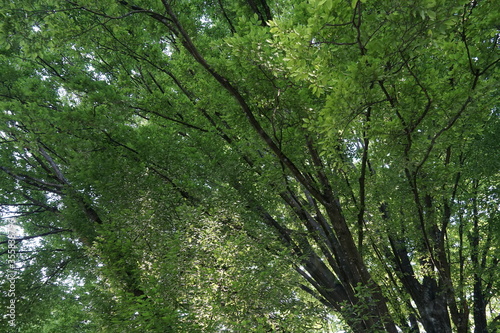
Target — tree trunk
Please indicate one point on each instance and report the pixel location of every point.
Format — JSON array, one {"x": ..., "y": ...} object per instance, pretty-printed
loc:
[
  {"x": 479, "y": 310},
  {"x": 432, "y": 308}
]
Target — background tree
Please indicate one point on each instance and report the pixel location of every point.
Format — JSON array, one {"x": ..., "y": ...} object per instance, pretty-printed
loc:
[{"x": 222, "y": 164}]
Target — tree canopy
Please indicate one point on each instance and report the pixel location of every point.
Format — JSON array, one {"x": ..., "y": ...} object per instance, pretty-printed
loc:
[{"x": 251, "y": 166}]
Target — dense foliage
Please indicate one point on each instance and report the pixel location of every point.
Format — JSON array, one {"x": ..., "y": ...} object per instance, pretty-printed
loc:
[{"x": 251, "y": 166}]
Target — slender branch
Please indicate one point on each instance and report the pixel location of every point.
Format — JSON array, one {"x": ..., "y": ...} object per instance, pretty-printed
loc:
[
  {"x": 426, "y": 93},
  {"x": 135, "y": 10},
  {"x": 362, "y": 182},
  {"x": 171, "y": 119},
  {"x": 25, "y": 238},
  {"x": 55, "y": 167},
  {"x": 449, "y": 125},
  {"x": 38, "y": 183},
  {"x": 46, "y": 64},
  {"x": 231, "y": 26}
]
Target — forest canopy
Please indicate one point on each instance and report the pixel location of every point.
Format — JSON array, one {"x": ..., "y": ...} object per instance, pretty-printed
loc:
[{"x": 250, "y": 166}]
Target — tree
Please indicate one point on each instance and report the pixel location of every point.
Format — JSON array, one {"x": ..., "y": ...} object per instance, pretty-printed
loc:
[{"x": 218, "y": 163}]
